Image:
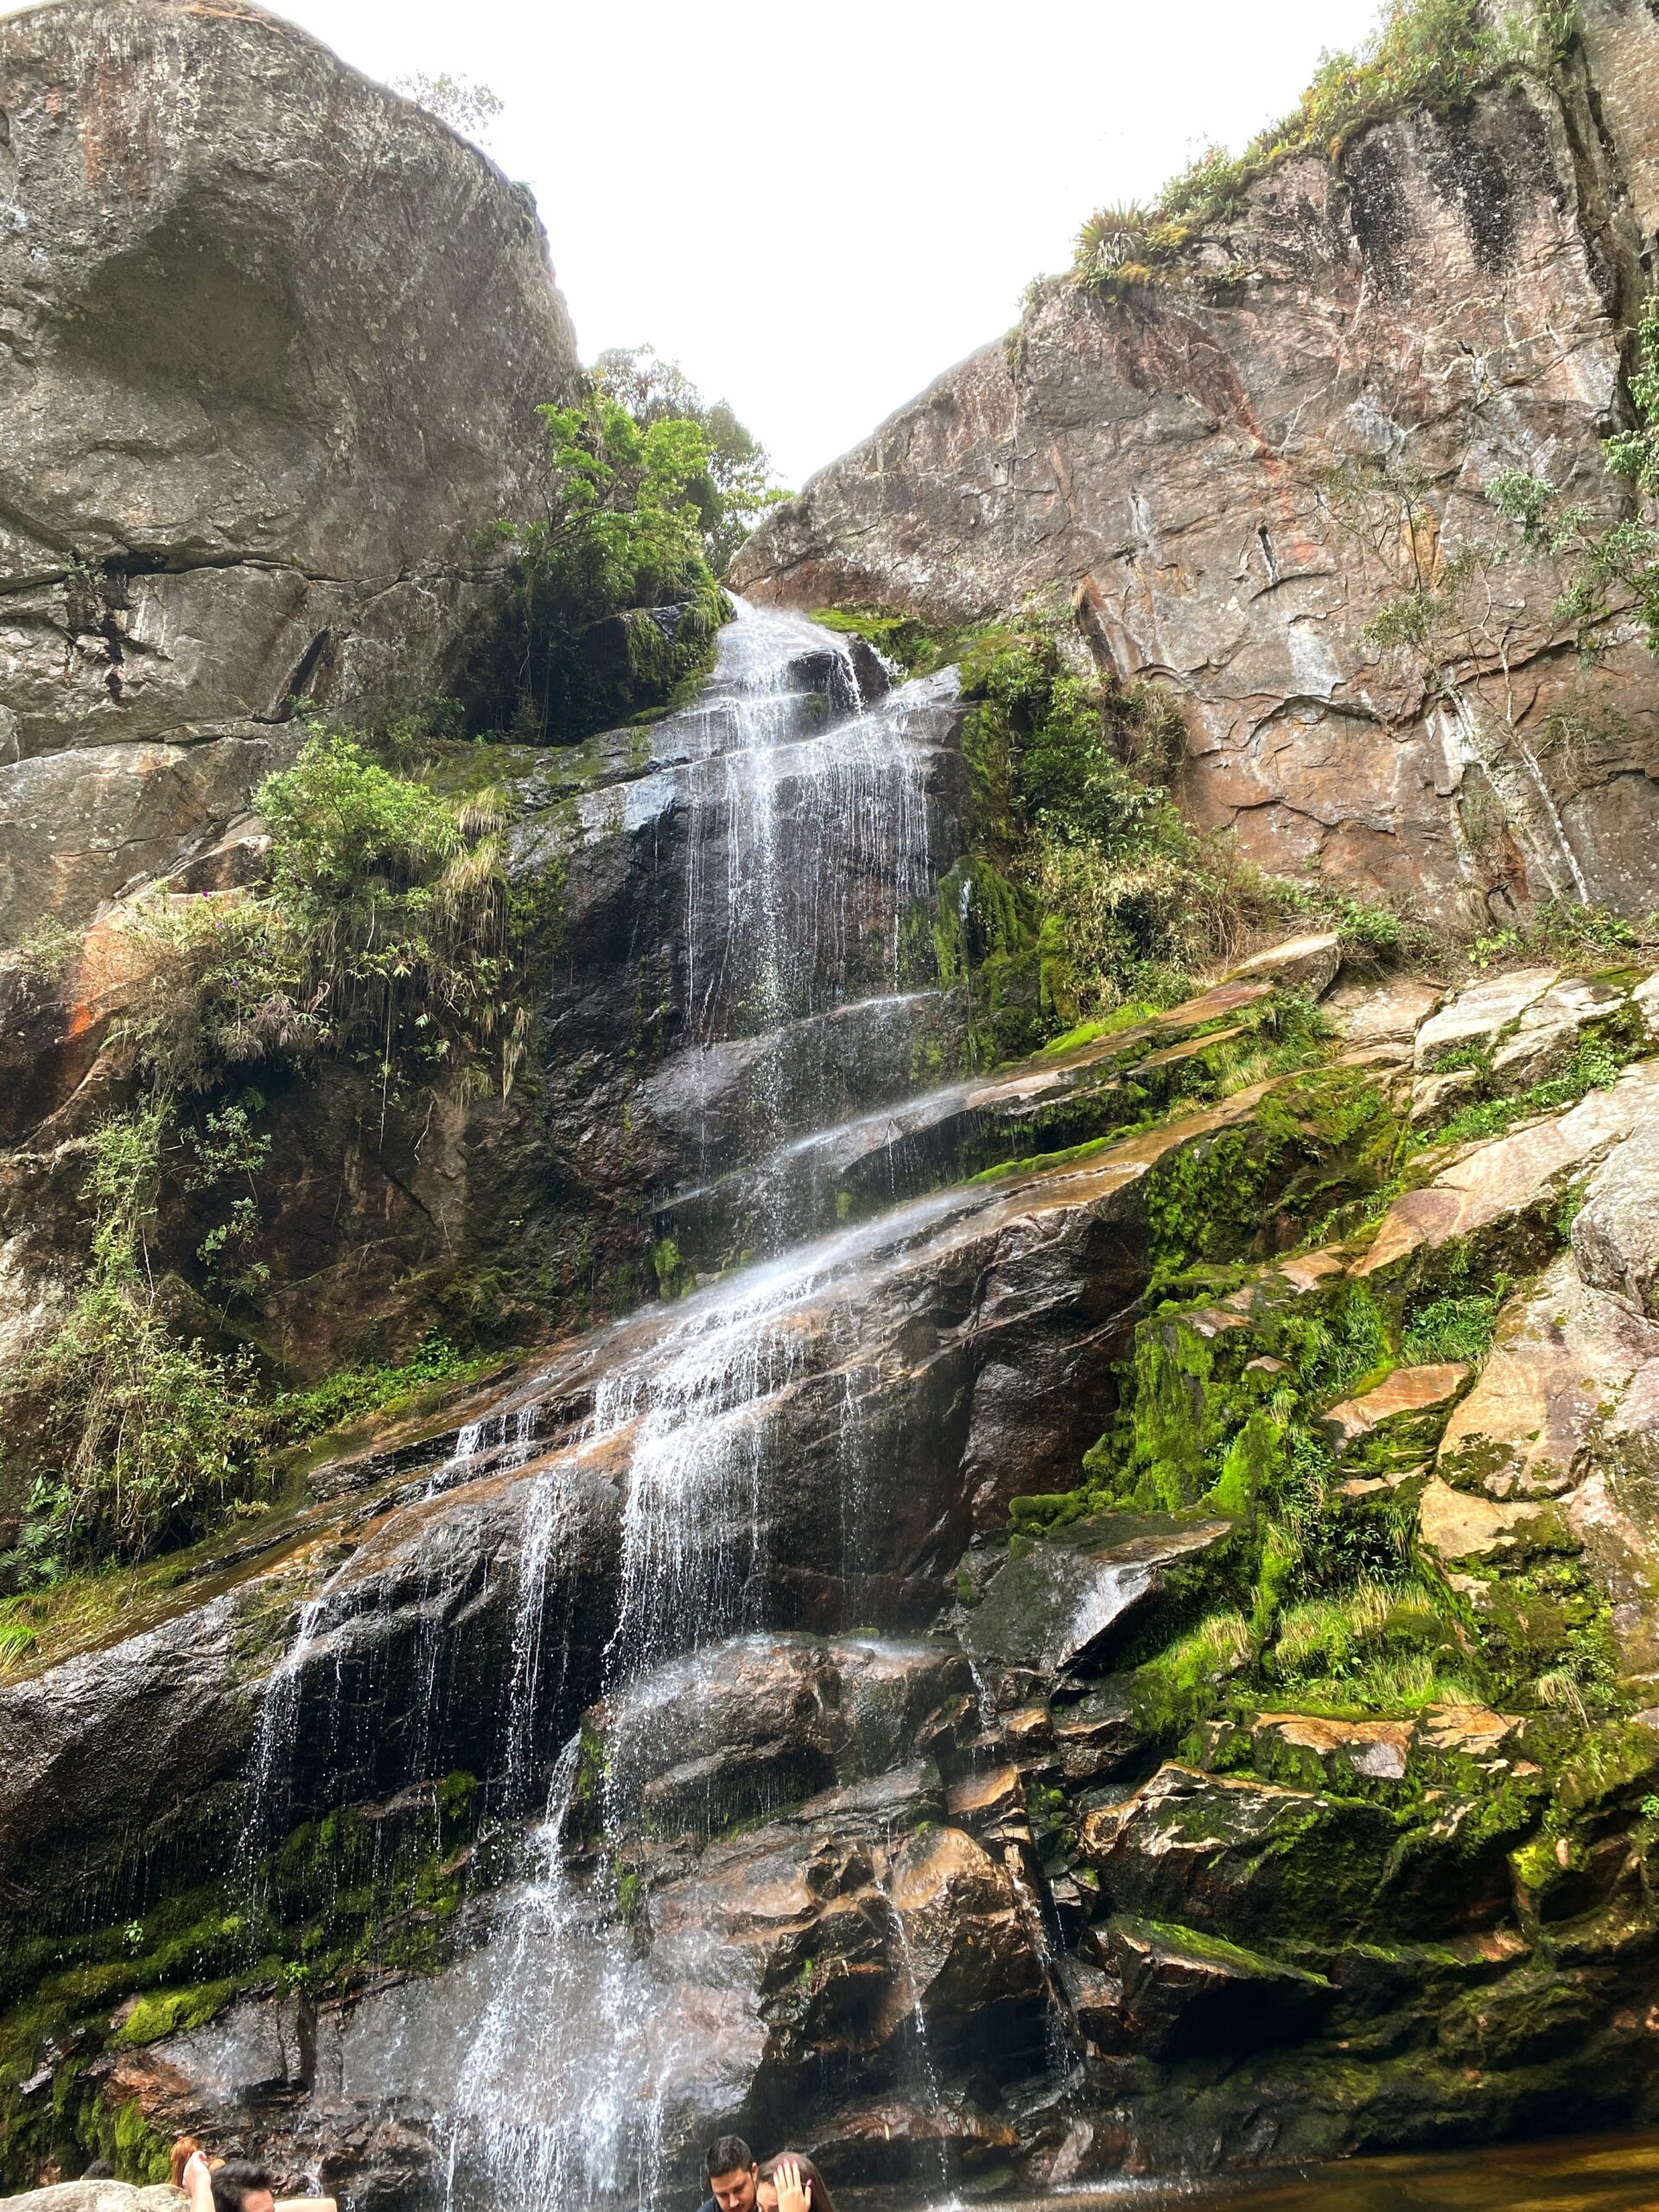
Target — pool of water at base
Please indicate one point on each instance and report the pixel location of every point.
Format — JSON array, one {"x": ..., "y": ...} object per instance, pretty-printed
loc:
[{"x": 1585, "y": 2173}]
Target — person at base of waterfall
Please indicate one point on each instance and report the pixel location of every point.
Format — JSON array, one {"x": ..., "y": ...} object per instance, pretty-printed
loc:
[
  {"x": 733, "y": 2173},
  {"x": 790, "y": 2182},
  {"x": 214, "y": 2186},
  {"x": 233, "y": 2187},
  {"x": 180, "y": 2158}
]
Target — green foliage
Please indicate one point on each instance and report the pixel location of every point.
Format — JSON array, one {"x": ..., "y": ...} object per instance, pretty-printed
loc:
[
  {"x": 736, "y": 486},
  {"x": 1377, "y": 1646},
  {"x": 338, "y": 1899},
  {"x": 169, "y": 2011},
  {"x": 1453, "y": 1328},
  {"x": 1613, "y": 567},
  {"x": 141, "y": 2154},
  {"x": 675, "y": 1275},
  {"x": 1557, "y": 930},
  {"x": 467, "y": 105},
  {"x": 1168, "y": 1693},
  {"x": 391, "y": 907},
  {"x": 142, "y": 1433},
  {"x": 226, "y": 1147},
  {"x": 384, "y": 938},
  {"x": 1425, "y": 53},
  {"x": 346, "y": 1395},
  {"x": 912, "y": 645},
  {"x": 1082, "y": 888},
  {"x": 613, "y": 602},
  {"x": 47, "y": 951},
  {"x": 1596, "y": 1065}
]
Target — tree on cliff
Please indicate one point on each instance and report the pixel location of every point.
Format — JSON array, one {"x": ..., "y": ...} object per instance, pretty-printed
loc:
[{"x": 740, "y": 486}]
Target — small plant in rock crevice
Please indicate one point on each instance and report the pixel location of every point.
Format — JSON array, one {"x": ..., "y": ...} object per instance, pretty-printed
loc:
[
  {"x": 46, "y": 952},
  {"x": 1610, "y": 568}
]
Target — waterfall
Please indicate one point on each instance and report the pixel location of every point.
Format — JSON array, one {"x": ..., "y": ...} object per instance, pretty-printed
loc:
[
  {"x": 806, "y": 849},
  {"x": 807, "y": 846}
]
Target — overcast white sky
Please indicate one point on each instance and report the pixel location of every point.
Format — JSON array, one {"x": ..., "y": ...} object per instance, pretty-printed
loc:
[{"x": 816, "y": 209}]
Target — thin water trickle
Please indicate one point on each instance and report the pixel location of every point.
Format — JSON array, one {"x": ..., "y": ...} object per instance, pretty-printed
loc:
[
  {"x": 546, "y": 2108},
  {"x": 928, "y": 2086},
  {"x": 268, "y": 1788}
]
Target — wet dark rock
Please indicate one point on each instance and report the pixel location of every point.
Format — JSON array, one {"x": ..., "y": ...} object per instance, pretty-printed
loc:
[
  {"x": 1230, "y": 1854},
  {"x": 1097, "y": 1736},
  {"x": 904, "y": 1146},
  {"x": 136, "y": 1752},
  {"x": 743, "y": 1729},
  {"x": 894, "y": 2140},
  {"x": 714, "y": 1101},
  {"x": 1182, "y": 1992},
  {"x": 1059, "y": 1603}
]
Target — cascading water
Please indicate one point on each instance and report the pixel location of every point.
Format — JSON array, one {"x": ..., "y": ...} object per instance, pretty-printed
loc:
[{"x": 807, "y": 848}]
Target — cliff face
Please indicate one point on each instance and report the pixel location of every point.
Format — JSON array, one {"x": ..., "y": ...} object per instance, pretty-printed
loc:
[
  {"x": 271, "y": 343},
  {"x": 272, "y": 340},
  {"x": 1230, "y": 478},
  {"x": 1117, "y": 1630}
]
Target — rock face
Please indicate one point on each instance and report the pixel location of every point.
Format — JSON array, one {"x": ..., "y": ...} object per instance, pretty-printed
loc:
[
  {"x": 544, "y": 1197},
  {"x": 884, "y": 1780},
  {"x": 273, "y": 340},
  {"x": 1071, "y": 1651},
  {"x": 1188, "y": 467}
]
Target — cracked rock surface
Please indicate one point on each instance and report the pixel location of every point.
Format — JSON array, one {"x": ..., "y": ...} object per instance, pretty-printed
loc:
[{"x": 1185, "y": 466}]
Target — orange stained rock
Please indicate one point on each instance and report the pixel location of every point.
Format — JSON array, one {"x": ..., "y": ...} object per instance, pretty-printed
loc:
[
  {"x": 1501, "y": 1179},
  {"x": 1407, "y": 1390},
  {"x": 1379, "y": 1749}
]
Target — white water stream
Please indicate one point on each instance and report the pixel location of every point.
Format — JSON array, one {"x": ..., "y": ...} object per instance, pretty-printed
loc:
[{"x": 807, "y": 847}]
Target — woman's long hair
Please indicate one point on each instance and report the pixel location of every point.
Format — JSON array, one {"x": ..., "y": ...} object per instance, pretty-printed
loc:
[{"x": 822, "y": 2200}]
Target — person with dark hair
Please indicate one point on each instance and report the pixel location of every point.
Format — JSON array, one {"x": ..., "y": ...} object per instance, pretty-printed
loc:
[
  {"x": 239, "y": 2187},
  {"x": 732, "y": 2172},
  {"x": 212, "y": 2185},
  {"x": 790, "y": 2182}
]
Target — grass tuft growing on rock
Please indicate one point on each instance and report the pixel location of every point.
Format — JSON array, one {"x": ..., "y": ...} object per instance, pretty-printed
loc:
[{"x": 1424, "y": 54}]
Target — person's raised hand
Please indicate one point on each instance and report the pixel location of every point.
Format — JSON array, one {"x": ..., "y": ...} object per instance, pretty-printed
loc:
[
  {"x": 197, "y": 2168},
  {"x": 794, "y": 2189}
]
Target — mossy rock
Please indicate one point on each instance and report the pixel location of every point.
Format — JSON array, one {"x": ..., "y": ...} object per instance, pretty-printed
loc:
[
  {"x": 1185, "y": 1991},
  {"x": 1239, "y": 1857}
]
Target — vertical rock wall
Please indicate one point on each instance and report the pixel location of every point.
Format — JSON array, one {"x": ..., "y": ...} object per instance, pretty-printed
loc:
[
  {"x": 272, "y": 340},
  {"x": 1197, "y": 466}
]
